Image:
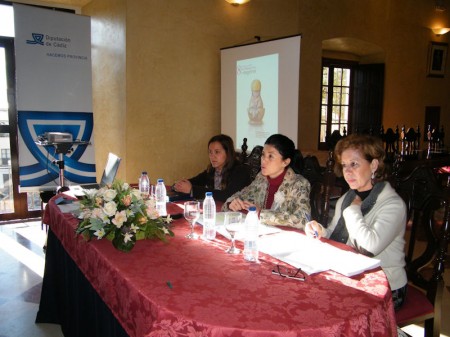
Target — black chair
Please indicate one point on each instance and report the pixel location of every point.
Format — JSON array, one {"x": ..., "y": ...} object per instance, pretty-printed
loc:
[
  {"x": 428, "y": 224},
  {"x": 242, "y": 157},
  {"x": 325, "y": 191},
  {"x": 254, "y": 161},
  {"x": 409, "y": 143},
  {"x": 425, "y": 271}
]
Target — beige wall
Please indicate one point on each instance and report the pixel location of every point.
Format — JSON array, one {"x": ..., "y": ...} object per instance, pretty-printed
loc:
[
  {"x": 108, "y": 27},
  {"x": 157, "y": 101}
]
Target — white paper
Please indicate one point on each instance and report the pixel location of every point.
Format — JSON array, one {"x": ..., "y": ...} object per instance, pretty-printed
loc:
[{"x": 313, "y": 256}]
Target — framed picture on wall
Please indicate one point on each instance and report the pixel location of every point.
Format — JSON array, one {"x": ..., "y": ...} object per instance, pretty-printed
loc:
[{"x": 437, "y": 59}]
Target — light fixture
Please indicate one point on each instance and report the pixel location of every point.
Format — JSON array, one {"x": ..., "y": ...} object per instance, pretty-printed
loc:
[
  {"x": 440, "y": 31},
  {"x": 237, "y": 2}
]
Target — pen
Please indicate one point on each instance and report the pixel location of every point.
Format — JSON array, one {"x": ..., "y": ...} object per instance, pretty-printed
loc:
[{"x": 308, "y": 218}]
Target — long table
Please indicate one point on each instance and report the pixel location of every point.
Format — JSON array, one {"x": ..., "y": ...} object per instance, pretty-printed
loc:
[{"x": 193, "y": 288}]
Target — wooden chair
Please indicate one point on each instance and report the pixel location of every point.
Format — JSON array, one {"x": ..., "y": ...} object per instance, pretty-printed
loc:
[
  {"x": 410, "y": 142},
  {"x": 428, "y": 221},
  {"x": 390, "y": 139},
  {"x": 312, "y": 169},
  {"x": 254, "y": 161},
  {"x": 435, "y": 140},
  {"x": 242, "y": 157},
  {"x": 325, "y": 190},
  {"x": 426, "y": 285},
  {"x": 332, "y": 139}
]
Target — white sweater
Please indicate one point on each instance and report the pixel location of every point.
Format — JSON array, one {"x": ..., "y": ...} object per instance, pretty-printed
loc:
[{"x": 381, "y": 232}]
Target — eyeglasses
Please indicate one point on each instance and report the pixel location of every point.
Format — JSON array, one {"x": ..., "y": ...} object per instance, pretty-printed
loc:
[{"x": 291, "y": 273}]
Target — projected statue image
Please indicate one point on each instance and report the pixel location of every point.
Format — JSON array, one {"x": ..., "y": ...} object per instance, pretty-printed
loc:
[{"x": 256, "y": 109}]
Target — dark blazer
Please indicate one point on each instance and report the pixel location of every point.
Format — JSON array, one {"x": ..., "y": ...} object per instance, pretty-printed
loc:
[{"x": 238, "y": 178}]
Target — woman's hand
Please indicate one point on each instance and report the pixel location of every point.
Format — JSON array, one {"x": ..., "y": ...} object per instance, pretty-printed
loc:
[
  {"x": 313, "y": 229},
  {"x": 238, "y": 205},
  {"x": 183, "y": 186}
]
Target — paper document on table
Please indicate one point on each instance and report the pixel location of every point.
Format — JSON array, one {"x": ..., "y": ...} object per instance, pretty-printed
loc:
[
  {"x": 295, "y": 249},
  {"x": 313, "y": 256},
  {"x": 240, "y": 236},
  {"x": 350, "y": 263}
]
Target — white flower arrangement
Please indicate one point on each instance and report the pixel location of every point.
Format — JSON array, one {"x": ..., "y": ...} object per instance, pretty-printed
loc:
[{"x": 120, "y": 214}]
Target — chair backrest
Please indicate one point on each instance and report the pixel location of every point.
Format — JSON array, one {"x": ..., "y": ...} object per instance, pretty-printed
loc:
[
  {"x": 254, "y": 161},
  {"x": 332, "y": 139},
  {"x": 242, "y": 157},
  {"x": 325, "y": 189},
  {"x": 425, "y": 270},
  {"x": 435, "y": 139},
  {"x": 312, "y": 169},
  {"x": 390, "y": 139},
  {"x": 428, "y": 226},
  {"x": 110, "y": 171},
  {"x": 410, "y": 143}
]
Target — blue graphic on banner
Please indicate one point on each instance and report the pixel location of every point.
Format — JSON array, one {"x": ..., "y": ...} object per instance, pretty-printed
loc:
[
  {"x": 37, "y": 39},
  {"x": 32, "y": 124}
]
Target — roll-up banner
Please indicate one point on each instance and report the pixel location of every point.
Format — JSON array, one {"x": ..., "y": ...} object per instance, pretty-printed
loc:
[{"x": 53, "y": 97}]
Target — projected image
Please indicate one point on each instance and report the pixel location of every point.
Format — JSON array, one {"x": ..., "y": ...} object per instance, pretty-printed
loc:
[
  {"x": 257, "y": 77},
  {"x": 256, "y": 107},
  {"x": 259, "y": 90}
]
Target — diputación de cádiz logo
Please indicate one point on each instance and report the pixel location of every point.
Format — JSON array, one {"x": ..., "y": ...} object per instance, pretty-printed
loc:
[{"x": 37, "y": 39}]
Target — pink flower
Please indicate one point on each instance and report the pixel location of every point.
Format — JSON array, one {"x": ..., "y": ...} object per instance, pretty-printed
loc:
[{"x": 126, "y": 200}]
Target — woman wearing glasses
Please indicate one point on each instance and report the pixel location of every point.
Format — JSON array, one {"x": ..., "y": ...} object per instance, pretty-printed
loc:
[
  {"x": 223, "y": 176},
  {"x": 371, "y": 216},
  {"x": 280, "y": 194}
]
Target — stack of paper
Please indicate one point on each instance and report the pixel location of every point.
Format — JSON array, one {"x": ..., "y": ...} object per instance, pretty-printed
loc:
[{"x": 313, "y": 256}]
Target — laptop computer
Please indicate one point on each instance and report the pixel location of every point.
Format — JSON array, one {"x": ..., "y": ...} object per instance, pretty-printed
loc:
[{"x": 108, "y": 176}]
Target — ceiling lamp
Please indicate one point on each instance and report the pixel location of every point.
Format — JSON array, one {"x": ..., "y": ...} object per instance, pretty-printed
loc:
[
  {"x": 440, "y": 31},
  {"x": 237, "y": 2}
]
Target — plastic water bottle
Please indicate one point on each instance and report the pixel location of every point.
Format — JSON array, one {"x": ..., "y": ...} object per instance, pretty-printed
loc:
[
  {"x": 144, "y": 185},
  {"x": 251, "y": 235},
  {"x": 161, "y": 197},
  {"x": 209, "y": 217}
]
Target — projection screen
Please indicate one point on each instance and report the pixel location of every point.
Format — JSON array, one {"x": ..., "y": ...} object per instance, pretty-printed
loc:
[{"x": 260, "y": 89}]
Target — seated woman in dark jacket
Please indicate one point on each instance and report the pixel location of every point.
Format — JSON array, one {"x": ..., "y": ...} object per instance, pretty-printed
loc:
[{"x": 223, "y": 176}]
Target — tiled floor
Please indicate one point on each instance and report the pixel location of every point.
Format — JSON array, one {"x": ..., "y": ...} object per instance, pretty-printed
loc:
[{"x": 21, "y": 269}]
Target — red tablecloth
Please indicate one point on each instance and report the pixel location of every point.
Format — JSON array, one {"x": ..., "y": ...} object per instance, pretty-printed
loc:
[{"x": 193, "y": 288}]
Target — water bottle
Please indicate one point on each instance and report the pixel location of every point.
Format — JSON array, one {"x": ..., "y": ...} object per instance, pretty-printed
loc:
[
  {"x": 251, "y": 235},
  {"x": 209, "y": 217},
  {"x": 161, "y": 196},
  {"x": 144, "y": 185}
]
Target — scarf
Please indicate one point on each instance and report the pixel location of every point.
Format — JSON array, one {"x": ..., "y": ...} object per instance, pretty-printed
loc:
[{"x": 340, "y": 232}]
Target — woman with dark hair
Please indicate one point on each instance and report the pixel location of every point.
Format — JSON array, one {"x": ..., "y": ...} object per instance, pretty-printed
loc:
[
  {"x": 223, "y": 176},
  {"x": 280, "y": 194},
  {"x": 371, "y": 216}
]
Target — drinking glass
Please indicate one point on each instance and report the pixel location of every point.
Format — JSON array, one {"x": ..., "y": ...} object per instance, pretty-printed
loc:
[
  {"x": 152, "y": 192},
  {"x": 192, "y": 214},
  {"x": 233, "y": 224}
]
